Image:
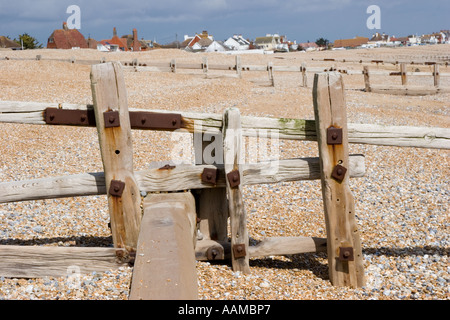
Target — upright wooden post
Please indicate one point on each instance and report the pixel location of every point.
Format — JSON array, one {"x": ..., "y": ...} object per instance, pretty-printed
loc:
[
  {"x": 233, "y": 155},
  {"x": 270, "y": 71},
  {"x": 403, "y": 73},
  {"x": 173, "y": 66},
  {"x": 366, "y": 79},
  {"x": 205, "y": 66},
  {"x": 304, "y": 76},
  {"x": 114, "y": 132},
  {"x": 436, "y": 76},
  {"x": 165, "y": 265},
  {"x": 212, "y": 206},
  {"x": 238, "y": 66},
  {"x": 343, "y": 243}
]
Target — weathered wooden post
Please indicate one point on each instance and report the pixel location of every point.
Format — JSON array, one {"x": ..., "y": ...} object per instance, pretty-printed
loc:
[
  {"x": 270, "y": 71},
  {"x": 403, "y": 73},
  {"x": 165, "y": 265},
  {"x": 233, "y": 158},
  {"x": 436, "y": 76},
  {"x": 345, "y": 259},
  {"x": 304, "y": 76},
  {"x": 366, "y": 79},
  {"x": 238, "y": 66},
  {"x": 212, "y": 202},
  {"x": 205, "y": 66},
  {"x": 114, "y": 131},
  {"x": 173, "y": 66}
]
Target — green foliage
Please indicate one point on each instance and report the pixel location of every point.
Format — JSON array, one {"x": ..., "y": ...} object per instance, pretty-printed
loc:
[
  {"x": 28, "y": 42},
  {"x": 321, "y": 42}
]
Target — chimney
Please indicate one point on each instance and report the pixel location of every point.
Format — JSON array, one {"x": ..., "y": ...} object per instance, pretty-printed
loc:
[
  {"x": 114, "y": 32},
  {"x": 65, "y": 27},
  {"x": 136, "y": 44}
]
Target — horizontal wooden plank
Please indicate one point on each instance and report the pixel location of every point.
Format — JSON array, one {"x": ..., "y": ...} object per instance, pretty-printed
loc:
[
  {"x": 46, "y": 261},
  {"x": 183, "y": 177},
  {"x": 278, "y": 246},
  {"x": 284, "y": 128}
]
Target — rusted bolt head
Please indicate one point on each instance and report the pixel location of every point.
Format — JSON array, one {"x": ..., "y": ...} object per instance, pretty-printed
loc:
[
  {"x": 111, "y": 119},
  {"x": 340, "y": 171},
  {"x": 116, "y": 188},
  {"x": 235, "y": 178},
  {"x": 143, "y": 120},
  {"x": 174, "y": 121},
  {"x": 346, "y": 254},
  {"x": 334, "y": 136},
  {"x": 83, "y": 118},
  {"x": 52, "y": 117},
  {"x": 209, "y": 176}
]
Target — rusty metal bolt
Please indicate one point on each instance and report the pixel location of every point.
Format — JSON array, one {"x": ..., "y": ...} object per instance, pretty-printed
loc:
[
  {"x": 83, "y": 118},
  {"x": 174, "y": 122},
  {"x": 52, "y": 117},
  {"x": 209, "y": 176},
  {"x": 112, "y": 119}
]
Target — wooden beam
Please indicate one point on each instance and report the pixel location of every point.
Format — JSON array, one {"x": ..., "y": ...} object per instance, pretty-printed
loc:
[
  {"x": 185, "y": 177},
  {"x": 165, "y": 265},
  {"x": 116, "y": 146},
  {"x": 46, "y": 261},
  {"x": 278, "y": 246},
  {"x": 232, "y": 151},
  {"x": 345, "y": 260},
  {"x": 291, "y": 129}
]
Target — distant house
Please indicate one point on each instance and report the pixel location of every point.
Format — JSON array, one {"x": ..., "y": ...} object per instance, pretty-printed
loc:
[
  {"x": 7, "y": 43},
  {"x": 268, "y": 43},
  {"x": 216, "y": 46},
  {"x": 66, "y": 38},
  {"x": 115, "y": 42},
  {"x": 309, "y": 46},
  {"x": 198, "y": 42},
  {"x": 351, "y": 43},
  {"x": 237, "y": 42},
  {"x": 379, "y": 40}
]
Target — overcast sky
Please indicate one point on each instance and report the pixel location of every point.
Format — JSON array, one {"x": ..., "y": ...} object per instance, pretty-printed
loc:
[{"x": 167, "y": 20}]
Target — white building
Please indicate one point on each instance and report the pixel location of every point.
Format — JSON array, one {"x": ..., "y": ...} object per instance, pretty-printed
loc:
[{"x": 237, "y": 42}]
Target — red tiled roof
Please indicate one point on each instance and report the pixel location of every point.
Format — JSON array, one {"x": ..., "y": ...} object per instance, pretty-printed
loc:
[
  {"x": 66, "y": 39},
  {"x": 355, "y": 42}
]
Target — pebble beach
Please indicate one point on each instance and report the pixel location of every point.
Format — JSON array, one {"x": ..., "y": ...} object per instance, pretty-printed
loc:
[{"x": 402, "y": 204}]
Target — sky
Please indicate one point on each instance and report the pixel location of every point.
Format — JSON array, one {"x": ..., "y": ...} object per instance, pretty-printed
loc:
[{"x": 165, "y": 21}]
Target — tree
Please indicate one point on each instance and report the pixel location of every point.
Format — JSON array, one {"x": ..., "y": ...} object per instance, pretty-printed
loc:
[
  {"x": 28, "y": 42},
  {"x": 322, "y": 42}
]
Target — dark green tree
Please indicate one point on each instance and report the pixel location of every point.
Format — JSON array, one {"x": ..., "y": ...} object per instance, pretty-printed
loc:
[
  {"x": 321, "y": 42},
  {"x": 28, "y": 41}
]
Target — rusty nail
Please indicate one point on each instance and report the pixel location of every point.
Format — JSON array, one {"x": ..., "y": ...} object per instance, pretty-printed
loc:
[{"x": 174, "y": 122}]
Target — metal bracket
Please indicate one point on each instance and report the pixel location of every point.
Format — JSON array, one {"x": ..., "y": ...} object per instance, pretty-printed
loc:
[
  {"x": 69, "y": 117},
  {"x": 239, "y": 251},
  {"x": 112, "y": 119},
  {"x": 209, "y": 175},
  {"x": 346, "y": 254},
  {"x": 234, "y": 178},
  {"x": 339, "y": 172},
  {"x": 334, "y": 135},
  {"x": 116, "y": 188},
  {"x": 154, "y": 120}
]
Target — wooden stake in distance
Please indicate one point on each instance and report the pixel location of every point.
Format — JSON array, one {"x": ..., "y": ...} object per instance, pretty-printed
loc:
[
  {"x": 343, "y": 243},
  {"x": 114, "y": 132}
]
